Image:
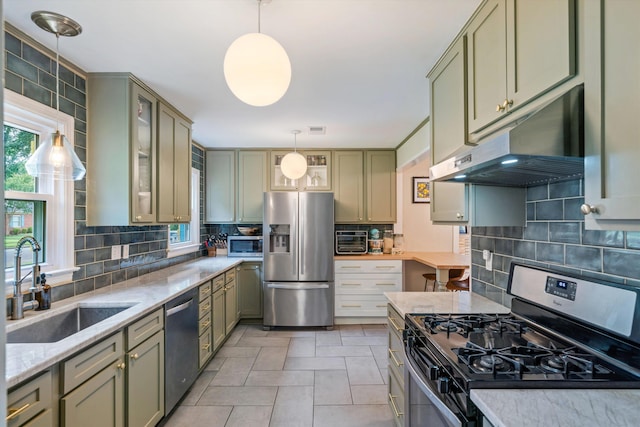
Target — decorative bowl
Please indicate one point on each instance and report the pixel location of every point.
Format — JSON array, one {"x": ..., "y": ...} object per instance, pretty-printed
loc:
[{"x": 248, "y": 231}]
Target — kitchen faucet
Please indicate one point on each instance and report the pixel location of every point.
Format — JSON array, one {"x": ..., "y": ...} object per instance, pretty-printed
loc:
[{"x": 17, "y": 306}]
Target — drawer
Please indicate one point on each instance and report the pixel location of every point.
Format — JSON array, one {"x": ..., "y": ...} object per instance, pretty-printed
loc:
[
  {"x": 204, "y": 323},
  {"x": 396, "y": 399},
  {"x": 29, "y": 400},
  {"x": 368, "y": 283},
  {"x": 230, "y": 275},
  {"x": 395, "y": 321},
  {"x": 204, "y": 290},
  {"x": 396, "y": 356},
  {"x": 144, "y": 328},
  {"x": 361, "y": 305},
  {"x": 83, "y": 366},
  {"x": 204, "y": 306},
  {"x": 217, "y": 283},
  {"x": 382, "y": 266},
  {"x": 205, "y": 348}
]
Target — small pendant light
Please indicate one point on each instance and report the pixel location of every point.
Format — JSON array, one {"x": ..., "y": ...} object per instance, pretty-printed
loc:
[
  {"x": 294, "y": 164},
  {"x": 257, "y": 68},
  {"x": 55, "y": 157}
]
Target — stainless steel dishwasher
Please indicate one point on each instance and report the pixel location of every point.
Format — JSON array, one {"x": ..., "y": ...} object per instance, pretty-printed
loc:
[{"x": 181, "y": 347}]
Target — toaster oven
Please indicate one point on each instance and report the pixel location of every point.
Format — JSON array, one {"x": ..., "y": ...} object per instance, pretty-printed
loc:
[{"x": 351, "y": 242}]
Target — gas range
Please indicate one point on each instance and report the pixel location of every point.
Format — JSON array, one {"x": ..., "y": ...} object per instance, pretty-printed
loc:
[{"x": 562, "y": 332}]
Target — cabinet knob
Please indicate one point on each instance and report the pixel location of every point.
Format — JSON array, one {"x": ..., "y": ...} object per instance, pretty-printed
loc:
[
  {"x": 459, "y": 215},
  {"x": 135, "y": 356},
  {"x": 588, "y": 209},
  {"x": 138, "y": 218},
  {"x": 121, "y": 366},
  {"x": 506, "y": 103}
]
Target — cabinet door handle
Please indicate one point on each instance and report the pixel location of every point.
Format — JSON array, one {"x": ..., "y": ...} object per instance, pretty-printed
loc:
[
  {"x": 394, "y": 324},
  {"x": 393, "y": 357},
  {"x": 350, "y": 305},
  {"x": 385, "y": 284},
  {"x": 385, "y": 266},
  {"x": 135, "y": 356},
  {"x": 13, "y": 412},
  {"x": 351, "y": 284},
  {"x": 392, "y": 399},
  {"x": 381, "y": 305},
  {"x": 506, "y": 103},
  {"x": 121, "y": 366},
  {"x": 588, "y": 209}
]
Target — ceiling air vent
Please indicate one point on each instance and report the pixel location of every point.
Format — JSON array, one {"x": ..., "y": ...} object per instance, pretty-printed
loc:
[{"x": 317, "y": 130}]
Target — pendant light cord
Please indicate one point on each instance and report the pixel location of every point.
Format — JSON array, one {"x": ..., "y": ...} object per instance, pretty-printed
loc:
[
  {"x": 259, "y": 7},
  {"x": 57, "y": 82}
]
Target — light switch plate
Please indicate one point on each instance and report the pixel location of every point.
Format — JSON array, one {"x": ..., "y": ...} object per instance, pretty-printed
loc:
[
  {"x": 125, "y": 251},
  {"x": 115, "y": 252}
]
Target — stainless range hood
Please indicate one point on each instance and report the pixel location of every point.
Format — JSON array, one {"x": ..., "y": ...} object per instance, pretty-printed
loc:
[{"x": 544, "y": 146}]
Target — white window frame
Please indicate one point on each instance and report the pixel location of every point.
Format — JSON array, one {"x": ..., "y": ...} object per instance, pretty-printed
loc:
[
  {"x": 25, "y": 113},
  {"x": 193, "y": 245}
]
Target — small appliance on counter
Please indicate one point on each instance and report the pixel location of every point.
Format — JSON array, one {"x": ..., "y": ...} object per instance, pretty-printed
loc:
[{"x": 352, "y": 242}]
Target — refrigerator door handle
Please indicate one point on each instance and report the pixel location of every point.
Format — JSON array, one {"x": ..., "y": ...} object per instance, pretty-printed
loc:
[
  {"x": 301, "y": 221},
  {"x": 294, "y": 244},
  {"x": 297, "y": 286}
]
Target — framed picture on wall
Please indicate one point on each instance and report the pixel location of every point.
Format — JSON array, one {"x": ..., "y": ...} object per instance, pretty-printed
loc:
[{"x": 421, "y": 189}]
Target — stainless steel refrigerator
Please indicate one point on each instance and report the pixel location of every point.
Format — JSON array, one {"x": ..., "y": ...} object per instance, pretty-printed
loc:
[{"x": 298, "y": 259}]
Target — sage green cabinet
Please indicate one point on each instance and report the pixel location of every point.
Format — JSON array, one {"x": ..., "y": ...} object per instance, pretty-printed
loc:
[
  {"x": 348, "y": 178},
  {"x": 220, "y": 200},
  {"x": 205, "y": 329},
  {"x": 174, "y": 166},
  {"x": 145, "y": 371},
  {"x": 219, "y": 325},
  {"x": 448, "y": 81},
  {"x": 30, "y": 404},
  {"x": 231, "y": 315},
  {"x": 252, "y": 183},
  {"x": 612, "y": 130},
  {"x": 93, "y": 385},
  {"x": 249, "y": 283},
  {"x": 317, "y": 177},
  {"x": 121, "y": 161},
  {"x": 381, "y": 186},
  {"x": 449, "y": 203},
  {"x": 517, "y": 50},
  {"x": 365, "y": 186}
]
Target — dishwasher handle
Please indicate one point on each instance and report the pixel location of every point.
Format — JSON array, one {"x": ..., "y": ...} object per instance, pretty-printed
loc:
[{"x": 179, "y": 308}]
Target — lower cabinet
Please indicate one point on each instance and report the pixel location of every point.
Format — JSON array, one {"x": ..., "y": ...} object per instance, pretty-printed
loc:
[
  {"x": 360, "y": 287},
  {"x": 249, "y": 284},
  {"x": 230, "y": 301},
  {"x": 225, "y": 306},
  {"x": 93, "y": 385},
  {"x": 31, "y": 404},
  {"x": 395, "y": 325},
  {"x": 219, "y": 327}
]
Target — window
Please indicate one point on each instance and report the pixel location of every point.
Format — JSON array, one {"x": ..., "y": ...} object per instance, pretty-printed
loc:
[
  {"x": 185, "y": 238},
  {"x": 42, "y": 208}
]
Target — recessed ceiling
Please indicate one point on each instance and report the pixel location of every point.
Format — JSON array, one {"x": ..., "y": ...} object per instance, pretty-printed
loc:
[{"x": 358, "y": 66}]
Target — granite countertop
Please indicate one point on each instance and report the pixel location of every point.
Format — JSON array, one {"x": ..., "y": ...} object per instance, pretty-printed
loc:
[
  {"x": 443, "y": 302},
  {"x": 438, "y": 260},
  {"x": 147, "y": 293},
  {"x": 567, "y": 408}
]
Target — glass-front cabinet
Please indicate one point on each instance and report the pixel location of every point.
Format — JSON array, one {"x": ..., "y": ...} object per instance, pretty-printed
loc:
[
  {"x": 317, "y": 177},
  {"x": 143, "y": 156}
]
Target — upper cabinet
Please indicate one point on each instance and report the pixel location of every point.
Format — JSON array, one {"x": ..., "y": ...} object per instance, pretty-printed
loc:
[
  {"x": 365, "y": 186},
  {"x": 317, "y": 177},
  {"x": 220, "y": 187},
  {"x": 517, "y": 50},
  {"x": 252, "y": 183},
  {"x": 612, "y": 130},
  {"x": 122, "y": 161},
  {"x": 174, "y": 166}
]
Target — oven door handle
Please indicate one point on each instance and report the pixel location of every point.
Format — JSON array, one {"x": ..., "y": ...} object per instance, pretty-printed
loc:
[{"x": 451, "y": 417}]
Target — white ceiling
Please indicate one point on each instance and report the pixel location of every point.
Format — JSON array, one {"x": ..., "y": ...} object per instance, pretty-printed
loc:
[{"x": 358, "y": 66}]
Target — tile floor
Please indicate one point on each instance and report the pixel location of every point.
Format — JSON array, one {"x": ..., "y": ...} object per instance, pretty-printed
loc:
[{"x": 311, "y": 378}]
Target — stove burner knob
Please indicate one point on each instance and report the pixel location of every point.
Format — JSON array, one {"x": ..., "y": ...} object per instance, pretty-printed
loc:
[
  {"x": 443, "y": 385},
  {"x": 434, "y": 371}
]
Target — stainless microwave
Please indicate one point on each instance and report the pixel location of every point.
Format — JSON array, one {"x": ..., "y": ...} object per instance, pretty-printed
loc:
[
  {"x": 244, "y": 246},
  {"x": 351, "y": 242}
]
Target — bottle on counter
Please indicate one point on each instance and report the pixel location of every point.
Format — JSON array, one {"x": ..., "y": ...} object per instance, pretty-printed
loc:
[{"x": 398, "y": 244}]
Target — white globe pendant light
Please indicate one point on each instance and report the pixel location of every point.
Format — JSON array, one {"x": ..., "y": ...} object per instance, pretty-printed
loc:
[
  {"x": 257, "y": 68},
  {"x": 294, "y": 164}
]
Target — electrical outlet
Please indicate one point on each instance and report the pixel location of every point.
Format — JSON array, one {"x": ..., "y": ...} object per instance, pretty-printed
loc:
[
  {"x": 115, "y": 252},
  {"x": 125, "y": 251},
  {"x": 487, "y": 256}
]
